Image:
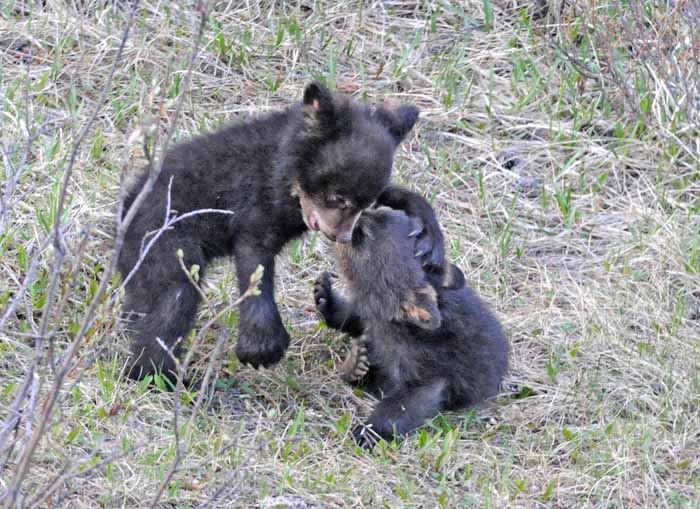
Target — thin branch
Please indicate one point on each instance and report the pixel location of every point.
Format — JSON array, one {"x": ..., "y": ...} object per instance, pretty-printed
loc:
[
  {"x": 182, "y": 369},
  {"x": 86, "y": 129},
  {"x": 66, "y": 364},
  {"x": 176, "y": 430},
  {"x": 7, "y": 199},
  {"x": 168, "y": 224},
  {"x": 50, "y": 401},
  {"x": 67, "y": 472}
]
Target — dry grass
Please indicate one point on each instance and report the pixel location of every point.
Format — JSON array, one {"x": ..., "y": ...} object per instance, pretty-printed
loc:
[{"x": 560, "y": 149}]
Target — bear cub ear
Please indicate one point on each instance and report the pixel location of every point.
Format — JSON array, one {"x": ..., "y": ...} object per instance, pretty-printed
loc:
[
  {"x": 449, "y": 278},
  {"x": 453, "y": 278},
  {"x": 318, "y": 103},
  {"x": 399, "y": 121},
  {"x": 421, "y": 308}
]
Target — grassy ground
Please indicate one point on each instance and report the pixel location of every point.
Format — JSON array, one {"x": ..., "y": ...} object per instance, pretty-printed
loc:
[{"x": 561, "y": 153}]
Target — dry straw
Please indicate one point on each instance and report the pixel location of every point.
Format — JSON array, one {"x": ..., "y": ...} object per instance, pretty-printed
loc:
[{"x": 559, "y": 144}]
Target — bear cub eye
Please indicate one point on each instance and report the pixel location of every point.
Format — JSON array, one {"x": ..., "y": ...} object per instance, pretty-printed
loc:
[
  {"x": 334, "y": 201},
  {"x": 358, "y": 236}
]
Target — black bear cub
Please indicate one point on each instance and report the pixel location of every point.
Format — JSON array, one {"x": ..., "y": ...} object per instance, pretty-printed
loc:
[
  {"x": 427, "y": 342},
  {"x": 315, "y": 165}
]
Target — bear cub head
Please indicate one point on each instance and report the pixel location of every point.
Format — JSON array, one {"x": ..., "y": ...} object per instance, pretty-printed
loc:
[
  {"x": 385, "y": 278},
  {"x": 342, "y": 152}
]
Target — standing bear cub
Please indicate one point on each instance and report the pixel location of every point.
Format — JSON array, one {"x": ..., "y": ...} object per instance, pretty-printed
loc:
[
  {"x": 315, "y": 165},
  {"x": 428, "y": 343}
]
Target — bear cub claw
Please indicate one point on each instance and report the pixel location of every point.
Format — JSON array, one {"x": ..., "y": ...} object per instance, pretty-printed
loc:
[
  {"x": 322, "y": 294},
  {"x": 365, "y": 437},
  {"x": 262, "y": 347},
  {"x": 356, "y": 365}
]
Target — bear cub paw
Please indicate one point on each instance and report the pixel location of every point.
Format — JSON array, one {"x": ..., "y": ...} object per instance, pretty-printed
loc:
[
  {"x": 323, "y": 294},
  {"x": 356, "y": 365},
  {"x": 262, "y": 345}
]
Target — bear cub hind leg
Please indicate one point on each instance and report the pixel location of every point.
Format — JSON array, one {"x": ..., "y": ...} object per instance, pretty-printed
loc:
[
  {"x": 402, "y": 412},
  {"x": 161, "y": 303}
]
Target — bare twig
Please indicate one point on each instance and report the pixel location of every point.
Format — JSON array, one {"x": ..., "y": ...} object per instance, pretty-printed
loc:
[
  {"x": 69, "y": 471},
  {"x": 13, "y": 173},
  {"x": 29, "y": 278},
  {"x": 168, "y": 224},
  {"x": 31, "y": 376},
  {"x": 123, "y": 223},
  {"x": 28, "y": 452},
  {"x": 182, "y": 370}
]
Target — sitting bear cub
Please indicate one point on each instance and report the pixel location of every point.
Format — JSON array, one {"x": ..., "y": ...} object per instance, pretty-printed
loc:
[{"x": 427, "y": 342}]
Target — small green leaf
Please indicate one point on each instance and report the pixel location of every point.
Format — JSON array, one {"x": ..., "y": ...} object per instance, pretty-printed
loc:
[
  {"x": 257, "y": 275},
  {"x": 488, "y": 15},
  {"x": 525, "y": 392},
  {"x": 343, "y": 424},
  {"x": 645, "y": 104},
  {"x": 619, "y": 130},
  {"x": 681, "y": 465},
  {"x": 568, "y": 434},
  {"x": 401, "y": 492},
  {"x": 194, "y": 272},
  {"x": 549, "y": 491},
  {"x": 298, "y": 423},
  {"x": 72, "y": 435}
]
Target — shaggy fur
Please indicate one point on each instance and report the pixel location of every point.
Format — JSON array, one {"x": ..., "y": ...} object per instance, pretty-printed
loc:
[
  {"x": 428, "y": 342},
  {"x": 317, "y": 164}
]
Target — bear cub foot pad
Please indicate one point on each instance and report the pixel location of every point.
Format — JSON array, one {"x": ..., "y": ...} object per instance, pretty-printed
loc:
[
  {"x": 356, "y": 365},
  {"x": 322, "y": 293}
]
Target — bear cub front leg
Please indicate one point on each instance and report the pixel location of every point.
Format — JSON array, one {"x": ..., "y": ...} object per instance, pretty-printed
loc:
[
  {"x": 337, "y": 312},
  {"x": 262, "y": 337}
]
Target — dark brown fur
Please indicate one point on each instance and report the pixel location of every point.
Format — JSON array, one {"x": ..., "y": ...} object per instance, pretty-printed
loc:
[
  {"x": 431, "y": 343},
  {"x": 314, "y": 165}
]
